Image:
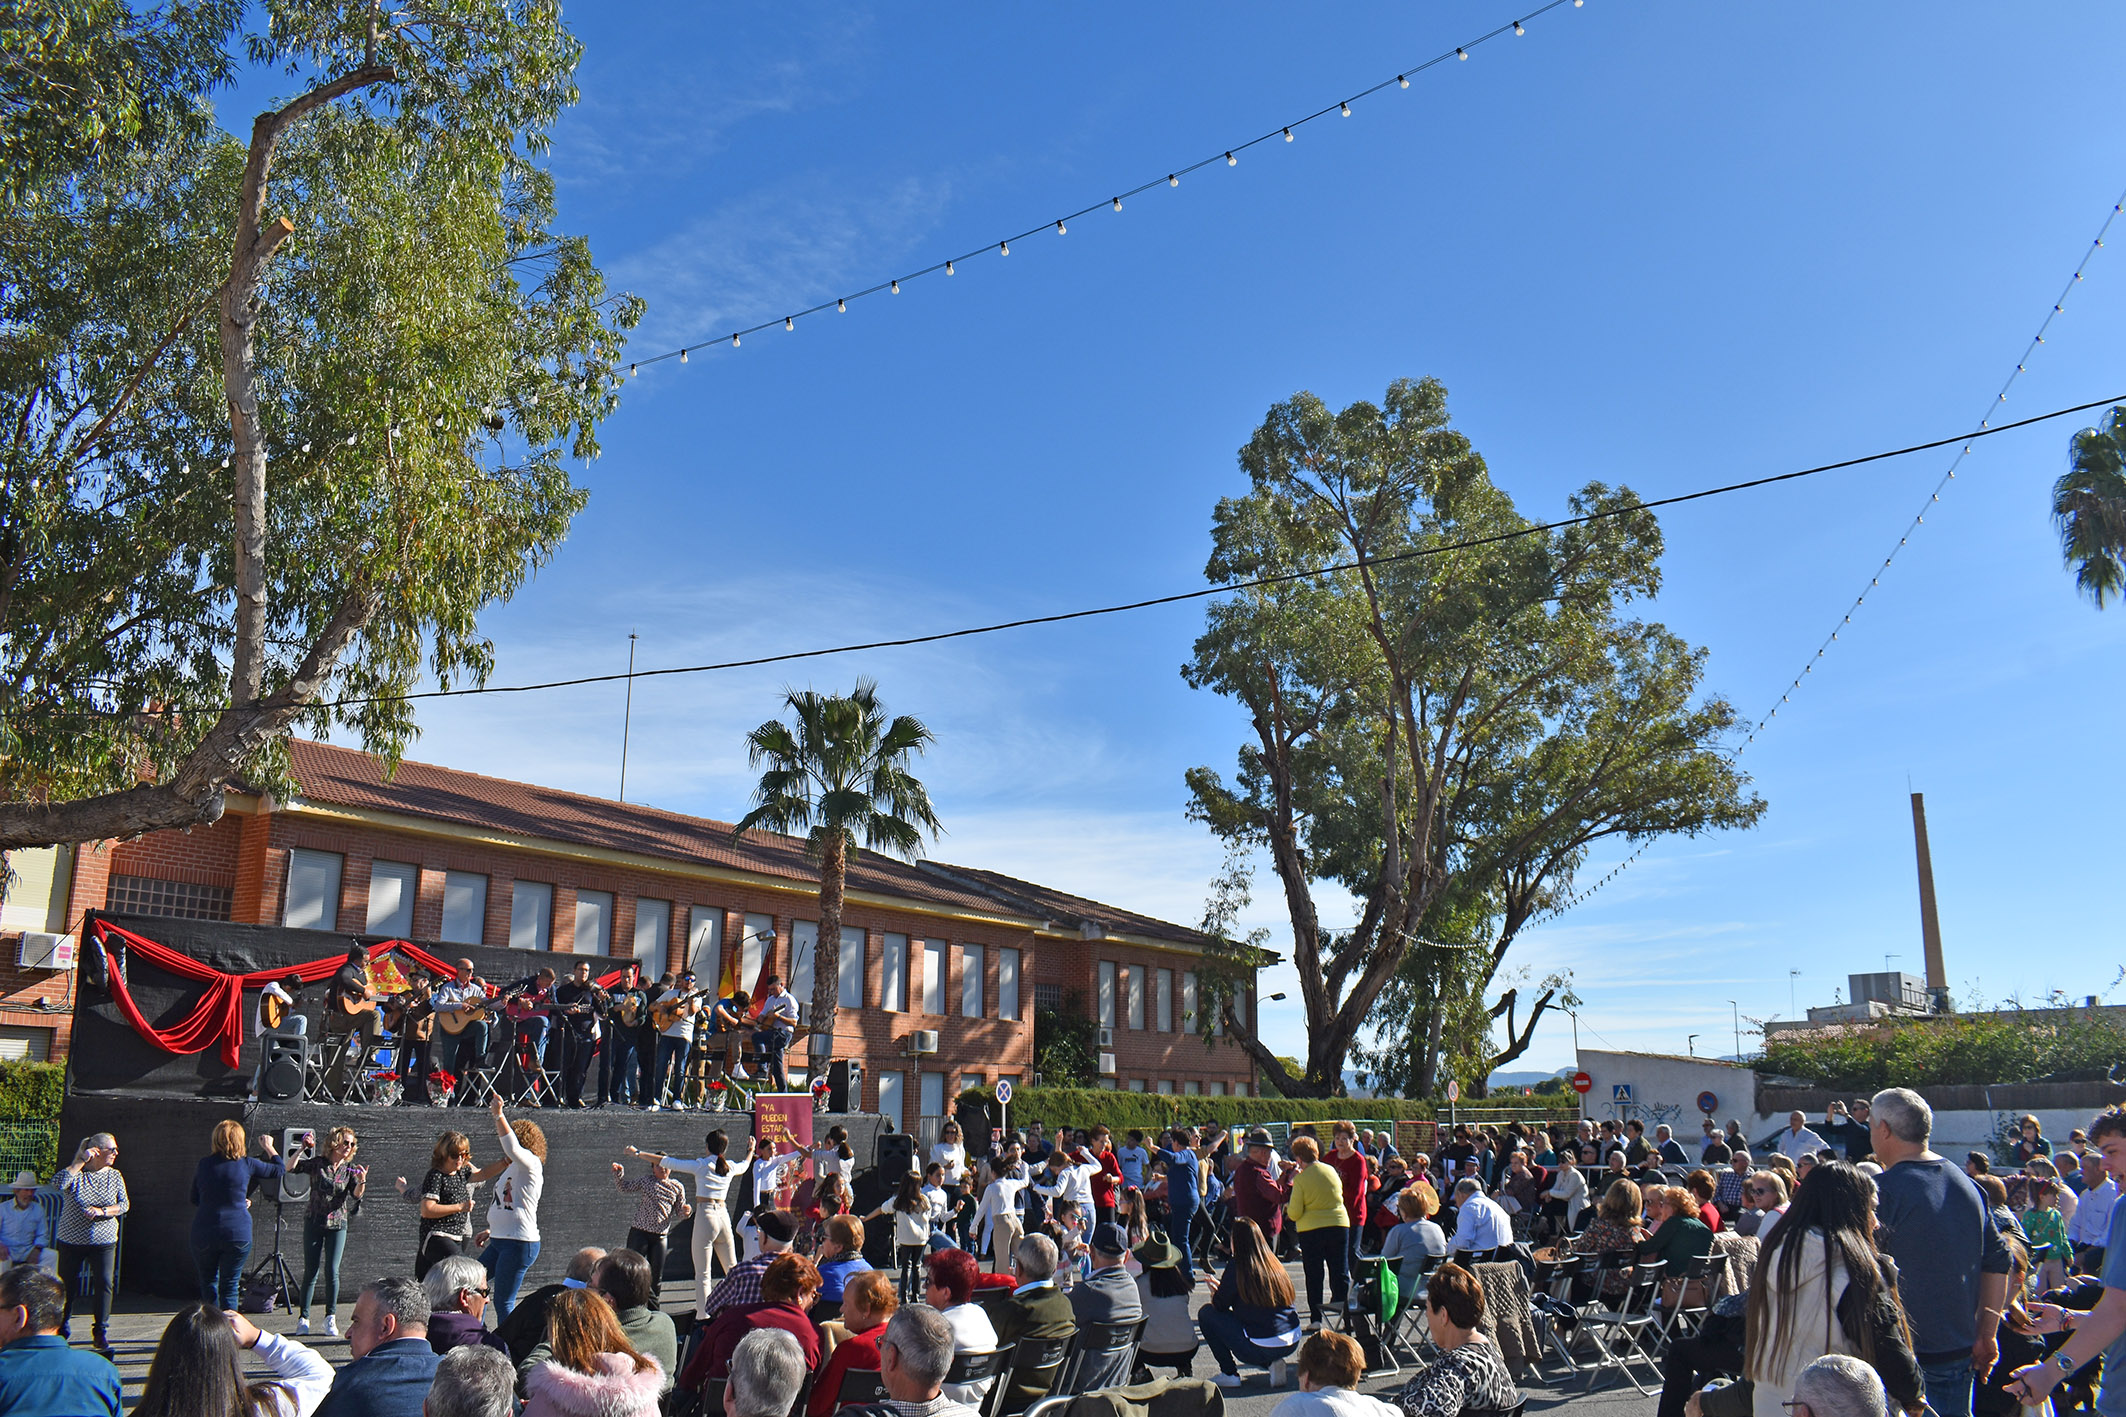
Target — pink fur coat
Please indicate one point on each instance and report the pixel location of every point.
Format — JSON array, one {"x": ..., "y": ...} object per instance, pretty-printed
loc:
[{"x": 617, "y": 1390}]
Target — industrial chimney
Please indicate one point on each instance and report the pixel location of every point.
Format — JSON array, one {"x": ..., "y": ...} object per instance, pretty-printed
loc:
[{"x": 1929, "y": 919}]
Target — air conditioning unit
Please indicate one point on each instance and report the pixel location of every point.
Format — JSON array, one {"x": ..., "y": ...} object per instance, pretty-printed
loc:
[
  {"x": 41, "y": 949},
  {"x": 923, "y": 1040},
  {"x": 1107, "y": 1038},
  {"x": 1107, "y": 1065}
]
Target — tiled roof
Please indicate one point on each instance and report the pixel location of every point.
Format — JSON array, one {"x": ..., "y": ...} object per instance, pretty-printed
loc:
[{"x": 344, "y": 777}]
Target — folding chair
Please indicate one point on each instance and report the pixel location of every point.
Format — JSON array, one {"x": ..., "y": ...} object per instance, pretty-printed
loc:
[
  {"x": 1409, "y": 1309},
  {"x": 1556, "y": 1319},
  {"x": 1629, "y": 1326},
  {"x": 860, "y": 1385},
  {"x": 1035, "y": 1362},
  {"x": 1099, "y": 1348},
  {"x": 1686, "y": 1317}
]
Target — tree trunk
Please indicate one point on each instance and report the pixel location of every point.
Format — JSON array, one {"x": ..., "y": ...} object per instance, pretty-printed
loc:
[{"x": 827, "y": 952}]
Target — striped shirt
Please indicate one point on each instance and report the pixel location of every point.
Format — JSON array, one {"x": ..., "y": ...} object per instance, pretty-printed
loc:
[{"x": 84, "y": 1189}]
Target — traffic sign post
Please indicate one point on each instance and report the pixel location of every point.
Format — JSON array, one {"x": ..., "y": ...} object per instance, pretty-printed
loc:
[
  {"x": 1004, "y": 1105},
  {"x": 1583, "y": 1083},
  {"x": 1454, "y": 1095}
]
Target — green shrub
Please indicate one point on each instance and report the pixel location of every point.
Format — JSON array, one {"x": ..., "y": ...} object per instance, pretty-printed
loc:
[
  {"x": 31, "y": 1092},
  {"x": 1950, "y": 1050}
]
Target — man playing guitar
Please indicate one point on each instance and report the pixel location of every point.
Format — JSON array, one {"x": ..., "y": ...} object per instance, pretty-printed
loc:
[
  {"x": 673, "y": 1042},
  {"x": 530, "y": 1004},
  {"x": 350, "y": 1011},
  {"x": 628, "y": 1009},
  {"x": 578, "y": 1003},
  {"x": 461, "y": 1006}
]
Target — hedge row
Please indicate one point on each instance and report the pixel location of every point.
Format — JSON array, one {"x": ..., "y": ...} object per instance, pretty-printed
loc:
[
  {"x": 1083, "y": 1107},
  {"x": 31, "y": 1092}
]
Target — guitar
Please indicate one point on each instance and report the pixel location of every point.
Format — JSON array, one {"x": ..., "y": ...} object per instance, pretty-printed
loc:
[
  {"x": 631, "y": 1010},
  {"x": 273, "y": 1011},
  {"x": 456, "y": 1021},
  {"x": 665, "y": 1014},
  {"x": 411, "y": 1014}
]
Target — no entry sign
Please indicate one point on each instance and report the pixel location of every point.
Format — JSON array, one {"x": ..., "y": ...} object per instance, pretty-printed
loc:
[{"x": 1582, "y": 1083}]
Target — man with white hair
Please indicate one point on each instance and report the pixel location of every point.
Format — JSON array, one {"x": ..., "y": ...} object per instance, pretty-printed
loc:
[
  {"x": 767, "y": 1369},
  {"x": 1797, "y": 1140},
  {"x": 1480, "y": 1223},
  {"x": 1952, "y": 1265},
  {"x": 914, "y": 1354},
  {"x": 2091, "y": 1225},
  {"x": 1839, "y": 1385},
  {"x": 1672, "y": 1152},
  {"x": 472, "y": 1381},
  {"x": 458, "y": 1289}
]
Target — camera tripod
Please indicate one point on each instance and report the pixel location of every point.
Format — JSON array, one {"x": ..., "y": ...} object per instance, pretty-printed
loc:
[{"x": 274, "y": 1268}]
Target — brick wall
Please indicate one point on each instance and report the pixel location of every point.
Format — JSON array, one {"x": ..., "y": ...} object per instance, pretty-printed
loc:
[{"x": 1156, "y": 1049}]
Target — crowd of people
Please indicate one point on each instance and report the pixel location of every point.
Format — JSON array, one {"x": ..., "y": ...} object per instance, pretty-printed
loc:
[{"x": 1961, "y": 1288}]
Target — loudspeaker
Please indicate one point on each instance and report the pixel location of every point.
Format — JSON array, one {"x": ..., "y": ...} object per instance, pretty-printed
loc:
[
  {"x": 895, "y": 1156},
  {"x": 845, "y": 1086},
  {"x": 294, "y": 1186},
  {"x": 286, "y": 1056}
]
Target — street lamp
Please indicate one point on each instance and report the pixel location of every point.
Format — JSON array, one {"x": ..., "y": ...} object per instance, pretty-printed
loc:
[
  {"x": 1738, "y": 1028},
  {"x": 1690, "y": 1045}
]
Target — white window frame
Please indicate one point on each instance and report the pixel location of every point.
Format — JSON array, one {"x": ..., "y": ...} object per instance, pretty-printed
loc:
[
  {"x": 969, "y": 1082},
  {"x": 1192, "y": 1089},
  {"x": 1136, "y": 1084},
  {"x": 849, "y": 986},
  {"x": 893, "y": 974},
  {"x": 1217, "y": 1089},
  {"x": 392, "y": 912},
  {"x": 1134, "y": 984},
  {"x": 1163, "y": 1001},
  {"x": 1008, "y": 981},
  {"x": 311, "y": 899},
  {"x": 594, "y": 923},
  {"x": 652, "y": 945},
  {"x": 934, "y": 956},
  {"x": 531, "y": 915},
  {"x": 972, "y": 964},
  {"x": 1166, "y": 1087},
  {"x": 1106, "y": 993},
  {"x": 1188, "y": 1001},
  {"x": 464, "y": 908}
]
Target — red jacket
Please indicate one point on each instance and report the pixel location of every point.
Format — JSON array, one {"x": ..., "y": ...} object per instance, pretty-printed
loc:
[
  {"x": 1357, "y": 1172},
  {"x": 1258, "y": 1196},
  {"x": 859, "y": 1353},
  {"x": 713, "y": 1358}
]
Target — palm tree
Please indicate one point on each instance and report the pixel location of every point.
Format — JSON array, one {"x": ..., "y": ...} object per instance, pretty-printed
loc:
[
  {"x": 839, "y": 775},
  {"x": 2089, "y": 503}
]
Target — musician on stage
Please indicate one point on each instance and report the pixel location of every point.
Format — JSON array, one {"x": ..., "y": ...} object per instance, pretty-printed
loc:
[
  {"x": 275, "y": 1014},
  {"x": 646, "y": 1032},
  {"x": 413, "y": 1019},
  {"x": 628, "y": 1006},
  {"x": 778, "y": 1025},
  {"x": 674, "y": 1044},
  {"x": 464, "y": 990},
  {"x": 531, "y": 1009},
  {"x": 351, "y": 1007},
  {"x": 579, "y": 1002}
]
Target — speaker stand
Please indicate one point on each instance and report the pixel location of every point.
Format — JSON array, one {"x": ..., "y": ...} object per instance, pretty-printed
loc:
[{"x": 275, "y": 1267}]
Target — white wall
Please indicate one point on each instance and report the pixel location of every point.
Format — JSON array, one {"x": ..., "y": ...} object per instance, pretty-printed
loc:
[{"x": 1665, "y": 1089}]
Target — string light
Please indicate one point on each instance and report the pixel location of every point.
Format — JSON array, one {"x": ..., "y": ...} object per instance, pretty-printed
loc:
[
  {"x": 788, "y": 323},
  {"x": 1459, "y": 54},
  {"x": 948, "y": 268},
  {"x": 896, "y": 287},
  {"x": 1403, "y": 79},
  {"x": 1118, "y": 204},
  {"x": 1919, "y": 519},
  {"x": 1231, "y": 161},
  {"x": 1173, "y": 180},
  {"x": 1061, "y": 228},
  {"x": 842, "y": 306},
  {"x": 1517, "y": 29},
  {"x": 1288, "y": 135}
]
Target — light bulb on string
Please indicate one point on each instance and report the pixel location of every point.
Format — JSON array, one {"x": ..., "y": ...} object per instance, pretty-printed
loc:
[
  {"x": 1061, "y": 228},
  {"x": 1288, "y": 135},
  {"x": 1403, "y": 79},
  {"x": 788, "y": 323},
  {"x": 633, "y": 370},
  {"x": 1518, "y": 28},
  {"x": 1173, "y": 179},
  {"x": 1003, "y": 248},
  {"x": 842, "y": 306},
  {"x": 225, "y": 462},
  {"x": 682, "y": 356},
  {"x": 1231, "y": 161},
  {"x": 350, "y": 440},
  {"x": 896, "y": 287},
  {"x": 949, "y": 270},
  {"x": 734, "y": 341},
  {"x": 1347, "y": 110},
  {"x": 1118, "y": 204},
  {"x": 1459, "y": 53},
  {"x": 306, "y": 447}
]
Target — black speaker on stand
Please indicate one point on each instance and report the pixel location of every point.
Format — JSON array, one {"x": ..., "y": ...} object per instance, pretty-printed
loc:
[
  {"x": 895, "y": 1156},
  {"x": 287, "y": 1059},
  {"x": 845, "y": 1086}
]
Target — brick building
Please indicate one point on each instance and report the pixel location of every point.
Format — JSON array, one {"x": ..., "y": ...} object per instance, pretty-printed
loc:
[{"x": 441, "y": 857}]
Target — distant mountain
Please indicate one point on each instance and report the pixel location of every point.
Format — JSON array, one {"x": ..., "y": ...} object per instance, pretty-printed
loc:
[{"x": 1525, "y": 1079}]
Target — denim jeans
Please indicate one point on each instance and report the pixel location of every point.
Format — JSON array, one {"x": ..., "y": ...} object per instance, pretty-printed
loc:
[
  {"x": 322, "y": 1249},
  {"x": 616, "y": 1067},
  {"x": 221, "y": 1266},
  {"x": 671, "y": 1069},
  {"x": 1324, "y": 1248},
  {"x": 1230, "y": 1344},
  {"x": 506, "y": 1262},
  {"x": 1180, "y": 1220},
  {"x": 1948, "y": 1387}
]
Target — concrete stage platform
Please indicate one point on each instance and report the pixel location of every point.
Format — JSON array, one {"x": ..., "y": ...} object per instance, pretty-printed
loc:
[{"x": 162, "y": 1138}]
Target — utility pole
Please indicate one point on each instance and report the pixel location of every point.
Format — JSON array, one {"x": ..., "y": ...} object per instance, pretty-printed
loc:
[
  {"x": 1792, "y": 1010},
  {"x": 1738, "y": 1028},
  {"x": 627, "y": 713},
  {"x": 1690, "y": 1045}
]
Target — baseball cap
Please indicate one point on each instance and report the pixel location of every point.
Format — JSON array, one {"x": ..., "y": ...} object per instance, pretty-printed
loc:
[{"x": 1109, "y": 1239}]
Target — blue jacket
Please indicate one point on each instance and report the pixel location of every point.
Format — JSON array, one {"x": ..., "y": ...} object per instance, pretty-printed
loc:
[
  {"x": 390, "y": 1381},
  {"x": 41, "y": 1376}
]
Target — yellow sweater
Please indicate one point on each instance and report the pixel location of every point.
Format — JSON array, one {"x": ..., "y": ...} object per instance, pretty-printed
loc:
[{"x": 1317, "y": 1199}]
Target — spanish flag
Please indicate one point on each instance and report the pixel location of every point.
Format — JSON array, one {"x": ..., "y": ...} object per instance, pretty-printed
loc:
[{"x": 727, "y": 979}]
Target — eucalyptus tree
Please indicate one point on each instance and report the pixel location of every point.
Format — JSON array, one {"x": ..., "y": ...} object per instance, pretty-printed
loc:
[
  {"x": 283, "y": 413},
  {"x": 1447, "y": 707},
  {"x": 837, "y": 774}
]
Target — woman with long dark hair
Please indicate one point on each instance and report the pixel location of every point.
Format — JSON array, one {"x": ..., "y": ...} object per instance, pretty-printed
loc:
[
  {"x": 713, "y": 1172},
  {"x": 910, "y": 1210},
  {"x": 444, "y": 1202},
  {"x": 1821, "y": 1287},
  {"x": 1250, "y": 1318},
  {"x": 198, "y": 1370}
]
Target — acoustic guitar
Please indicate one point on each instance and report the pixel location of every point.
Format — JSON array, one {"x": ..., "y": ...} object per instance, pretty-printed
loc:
[
  {"x": 273, "y": 1011},
  {"x": 669, "y": 1012},
  {"x": 456, "y": 1021}
]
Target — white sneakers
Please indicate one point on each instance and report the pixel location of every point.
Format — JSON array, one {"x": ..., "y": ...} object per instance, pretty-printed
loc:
[
  {"x": 332, "y": 1325},
  {"x": 1228, "y": 1381},
  {"x": 1277, "y": 1373},
  {"x": 302, "y": 1325}
]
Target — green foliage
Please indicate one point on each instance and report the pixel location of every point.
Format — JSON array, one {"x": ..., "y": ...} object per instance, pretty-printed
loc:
[
  {"x": 2089, "y": 506},
  {"x": 31, "y": 1092},
  {"x": 1084, "y": 1106},
  {"x": 1066, "y": 1044},
  {"x": 1292, "y": 1066},
  {"x": 428, "y": 353},
  {"x": 1444, "y": 728},
  {"x": 1951, "y": 1050}
]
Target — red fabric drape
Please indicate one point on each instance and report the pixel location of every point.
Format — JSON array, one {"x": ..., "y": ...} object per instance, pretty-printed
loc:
[{"x": 219, "y": 1018}]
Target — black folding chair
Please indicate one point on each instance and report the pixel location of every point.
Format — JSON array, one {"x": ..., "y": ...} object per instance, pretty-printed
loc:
[
  {"x": 1630, "y": 1325},
  {"x": 860, "y": 1385},
  {"x": 1099, "y": 1349},
  {"x": 1035, "y": 1363}
]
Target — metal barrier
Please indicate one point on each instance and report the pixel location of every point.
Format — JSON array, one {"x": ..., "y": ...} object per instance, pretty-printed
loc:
[{"x": 28, "y": 1146}]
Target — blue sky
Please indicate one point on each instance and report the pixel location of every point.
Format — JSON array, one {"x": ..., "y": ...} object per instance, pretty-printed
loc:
[{"x": 1656, "y": 244}]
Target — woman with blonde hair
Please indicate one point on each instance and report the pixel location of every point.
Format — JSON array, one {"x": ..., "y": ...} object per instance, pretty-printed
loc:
[
  {"x": 593, "y": 1371},
  {"x": 92, "y": 1197},
  {"x": 1615, "y": 1228},
  {"x": 1315, "y": 1206},
  {"x": 337, "y": 1184},
  {"x": 221, "y": 1227},
  {"x": 511, "y": 1239}
]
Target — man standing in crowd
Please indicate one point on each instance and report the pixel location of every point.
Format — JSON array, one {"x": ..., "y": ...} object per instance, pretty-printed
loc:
[
  {"x": 1797, "y": 1140},
  {"x": 1671, "y": 1150},
  {"x": 1849, "y": 1129},
  {"x": 2088, "y": 1231},
  {"x": 2103, "y": 1329},
  {"x": 1258, "y": 1189},
  {"x": 1952, "y": 1265},
  {"x": 1133, "y": 1158}
]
